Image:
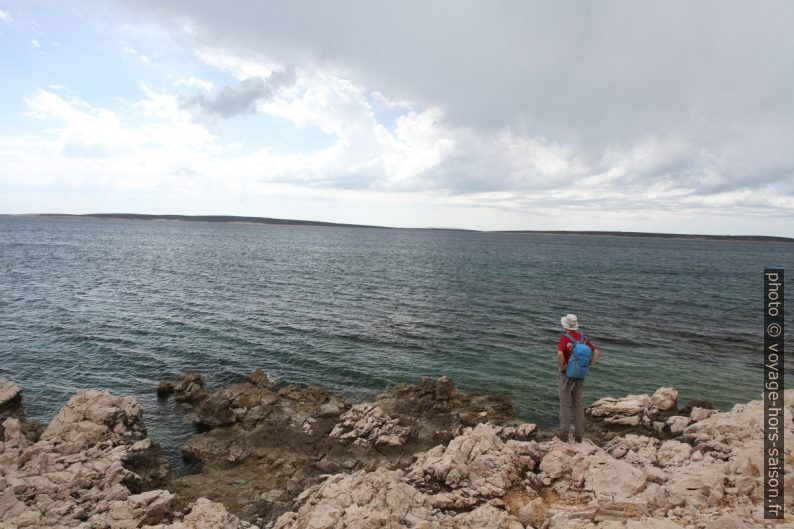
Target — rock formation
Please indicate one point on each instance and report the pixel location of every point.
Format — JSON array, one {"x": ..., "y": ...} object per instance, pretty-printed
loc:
[
  {"x": 281, "y": 439},
  {"x": 94, "y": 466}
]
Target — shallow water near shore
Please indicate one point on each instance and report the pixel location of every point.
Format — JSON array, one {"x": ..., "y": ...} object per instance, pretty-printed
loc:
[{"x": 121, "y": 305}]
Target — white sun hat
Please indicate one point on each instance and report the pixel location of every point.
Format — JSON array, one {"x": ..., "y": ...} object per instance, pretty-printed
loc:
[{"x": 570, "y": 322}]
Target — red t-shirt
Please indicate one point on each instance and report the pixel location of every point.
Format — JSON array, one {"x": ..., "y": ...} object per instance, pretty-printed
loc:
[{"x": 564, "y": 341}]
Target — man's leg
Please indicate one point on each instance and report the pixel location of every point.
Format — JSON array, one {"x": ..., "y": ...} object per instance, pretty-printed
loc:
[
  {"x": 578, "y": 410},
  {"x": 565, "y": 406}
]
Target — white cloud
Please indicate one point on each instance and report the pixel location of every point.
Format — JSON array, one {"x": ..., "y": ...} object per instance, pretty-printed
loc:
[
  {"x": 507, "y": 174},
  {"x": 194, "y": 82},
  {"x": 5, "y": 16},
  {"x": 663, "y": 106},
  {"x": 155, "y": 144}
]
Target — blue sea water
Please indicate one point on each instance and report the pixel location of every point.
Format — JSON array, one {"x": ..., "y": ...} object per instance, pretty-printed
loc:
[{"x": 123, "y": 304}]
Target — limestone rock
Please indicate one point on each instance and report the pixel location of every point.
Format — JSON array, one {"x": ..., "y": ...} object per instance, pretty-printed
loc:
[
  {"x": 678, "y": 424},
  {"x": 10, "y": 400},
  {"x": 259, "y": 378},
  {"x": 477, "y": 464},
  {"x": 728, "y": 521},
  {"x": 664, "y": 399},
  {"x": 533, "y": 513},
  {"x": 205, "y": 514},
  {"x": 91, "y": 417},
  {"x": 369, "y": 424},
  {"x": 187, "y": 388},
  {"x": 82, "y": 470},
  {"x": 642, "y": 414}
]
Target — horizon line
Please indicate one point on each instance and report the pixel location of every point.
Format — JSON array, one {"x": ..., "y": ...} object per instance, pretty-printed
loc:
[{"x": 301, "y": 222}]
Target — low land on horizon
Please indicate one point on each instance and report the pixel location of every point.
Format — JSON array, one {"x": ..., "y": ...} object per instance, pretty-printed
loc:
[{"x": 268, "y": 220}]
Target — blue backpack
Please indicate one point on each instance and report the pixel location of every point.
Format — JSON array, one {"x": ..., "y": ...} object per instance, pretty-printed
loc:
[{"x": 579, "y": 360}]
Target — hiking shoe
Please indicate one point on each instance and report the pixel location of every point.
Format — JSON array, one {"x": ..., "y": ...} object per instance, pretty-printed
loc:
[
  {"x": 562, "y": 436},
  {"x": 578, "y": 439}
]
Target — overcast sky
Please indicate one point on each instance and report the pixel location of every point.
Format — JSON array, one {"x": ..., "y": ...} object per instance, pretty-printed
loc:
[{"x": 672, "y": 116}]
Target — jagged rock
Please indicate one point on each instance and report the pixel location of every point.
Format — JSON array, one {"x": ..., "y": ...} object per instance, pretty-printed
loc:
[
  {"x": 10, "y": 400},
  {"x": 664, "y": 399},
  {"x": 368, "y": 423},
  {"x": 147, "y": 461},
  {"x": 445, "y": 389},
  {"x": 11, "y": 406},
  {"x": 285, "y": 437},
  {"x": 698, "y": 414},
  {"x": 533, "y": 513},
  {"x": 435, "y": 411},
  {"x": 475, "y": 465},
  {"x": 257, "y": 402},
  {"x": 673, "y": 453},
  {"x": 728, "y": 521},
  {"x": 80, "y": 471},
  {"x": 585, "y": 472},
  {"x": 699, "y": 484},
  {"x": 187, "y": 388},
  {"x": 643, "y": 414},
  {"x": 205, "y": 514},
  {"x": 259, "y": 378},
  {"x": 93, "y": 466},
  {"x": 635, "y": 449},
  {"x": 522, "y": 432},
  {"x": 678, "y": 424},
  {"x": 90, "y": 417},
  {"x": 366, "y": 500},
  {"x": 358, "y": 501}
]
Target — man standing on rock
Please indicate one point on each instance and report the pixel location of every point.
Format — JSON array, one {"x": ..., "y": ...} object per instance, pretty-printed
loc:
[{"x": 571, "y": 388}]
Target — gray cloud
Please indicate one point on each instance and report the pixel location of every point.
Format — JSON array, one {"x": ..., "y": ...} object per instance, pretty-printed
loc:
[
  {"x": 715, "y": 77},
  {"x": 242, "y": 98}
]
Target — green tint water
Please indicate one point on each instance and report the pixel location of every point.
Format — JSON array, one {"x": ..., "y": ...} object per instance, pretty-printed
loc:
[{"x": 121, "y": 305}]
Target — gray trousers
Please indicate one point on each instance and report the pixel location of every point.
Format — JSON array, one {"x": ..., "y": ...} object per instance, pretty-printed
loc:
[{"x": 571, "y": 396}]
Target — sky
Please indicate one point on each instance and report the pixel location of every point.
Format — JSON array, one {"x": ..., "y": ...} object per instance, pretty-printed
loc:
[{"x": 672, "y": 116}]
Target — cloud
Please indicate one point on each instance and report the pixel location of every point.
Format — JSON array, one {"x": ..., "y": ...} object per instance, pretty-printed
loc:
[
  {"x": 195, "y": 82},
  {"x": 693, "y": 96},
  {"x": 242, "y": 98},
  {"x": 607, "y": 112},
  {"x": 5, "y": 16}
]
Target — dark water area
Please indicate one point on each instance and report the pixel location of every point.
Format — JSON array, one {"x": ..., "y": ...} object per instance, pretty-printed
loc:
[{"x": 123, "y": 304}]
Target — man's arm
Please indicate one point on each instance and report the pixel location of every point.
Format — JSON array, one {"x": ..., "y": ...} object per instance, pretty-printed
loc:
[{"x": 560, "y": 360}]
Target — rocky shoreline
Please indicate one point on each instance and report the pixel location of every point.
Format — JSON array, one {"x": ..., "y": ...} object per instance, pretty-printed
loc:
[{"x": 421, "y": 455}]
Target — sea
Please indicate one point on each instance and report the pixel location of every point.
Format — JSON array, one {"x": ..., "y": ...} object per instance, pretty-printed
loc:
[{"x": 123, "y": 304}]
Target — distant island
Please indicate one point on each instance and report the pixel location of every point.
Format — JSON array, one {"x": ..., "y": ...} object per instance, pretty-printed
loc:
[{"x": 268, "y": 220}]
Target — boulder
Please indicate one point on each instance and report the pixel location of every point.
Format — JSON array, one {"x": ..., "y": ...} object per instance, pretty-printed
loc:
[
  {"x": 205, "y": 514},
  {"x": 10, "y": 400},
  {"x": 476, "y": 465},
  {"x": 187, "y": 388},
  {"x": 368, "y": 424},
  {"x": 92, "y": 465},
  {"x": 642, "y": 414}
]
